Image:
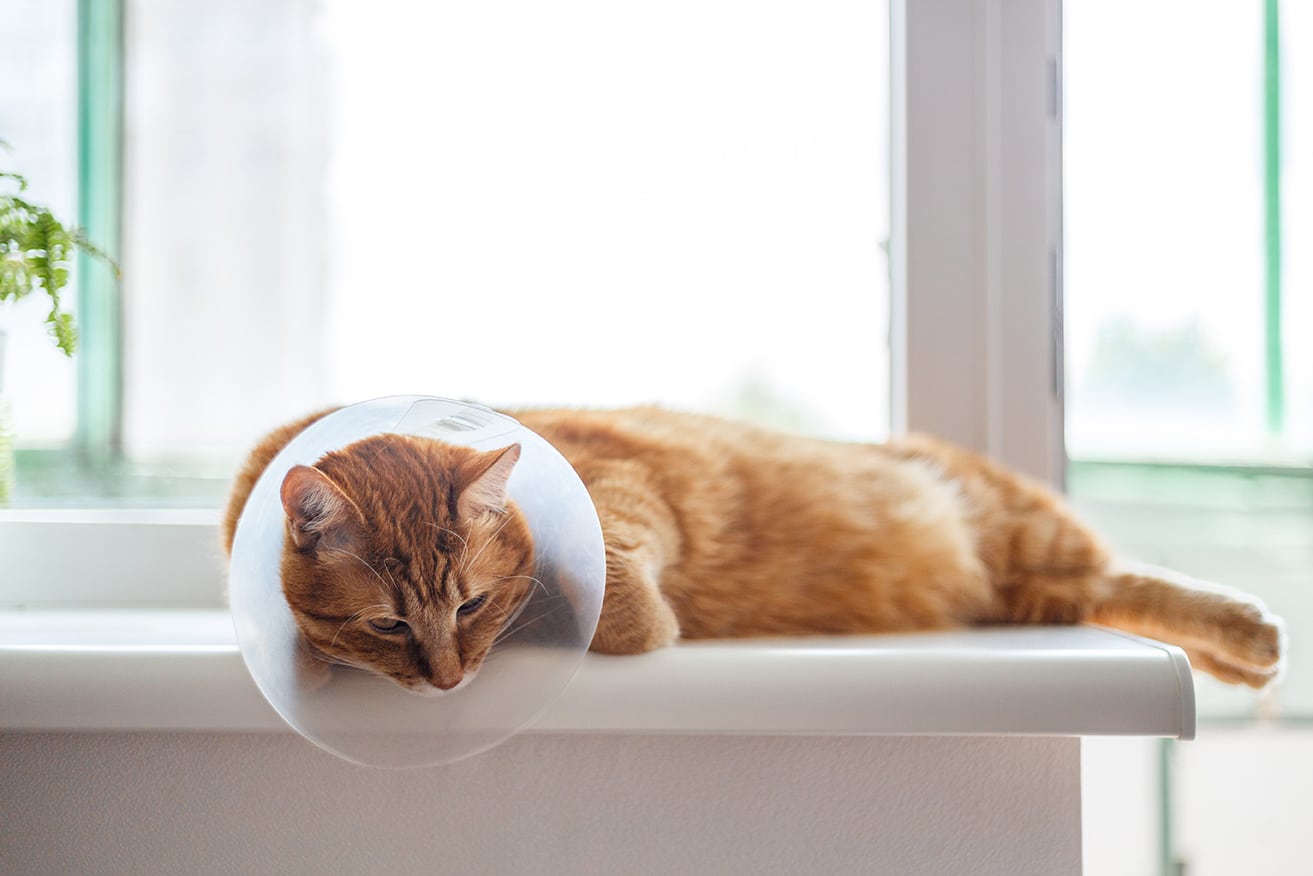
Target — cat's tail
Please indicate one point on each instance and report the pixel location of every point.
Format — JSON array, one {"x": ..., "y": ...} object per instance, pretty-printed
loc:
[{"x": 1226, "y": 633}]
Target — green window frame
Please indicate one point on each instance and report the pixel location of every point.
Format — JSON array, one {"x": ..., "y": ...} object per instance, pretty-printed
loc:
[{"x": 98, "y": 440}]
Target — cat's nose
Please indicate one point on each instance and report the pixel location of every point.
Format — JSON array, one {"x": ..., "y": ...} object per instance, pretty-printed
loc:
[
  {"x": 446, "y": 677},
  {"x": 442, "y": 664},
  {"x": 447, "y": 680}
]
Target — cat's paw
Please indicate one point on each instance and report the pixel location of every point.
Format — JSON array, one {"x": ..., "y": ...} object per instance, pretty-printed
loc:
[
  {"x": 1248, "y": 648},
  {"x": 636, "y": 618},
  {"x": 1230, "y": 672},
  {"x": 1255, "y": 638},
  {"x": 636, "y": 635}
]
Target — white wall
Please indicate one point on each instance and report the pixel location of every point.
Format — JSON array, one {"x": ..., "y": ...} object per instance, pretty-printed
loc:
[
  {"x": 1121, "y": 805},
  {"x": 1242, "y": 802},
  {"x": 198, "y": 803}
]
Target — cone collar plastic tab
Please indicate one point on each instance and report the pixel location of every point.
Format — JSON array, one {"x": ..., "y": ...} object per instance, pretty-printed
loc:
[{"x": 366, "y": 718}]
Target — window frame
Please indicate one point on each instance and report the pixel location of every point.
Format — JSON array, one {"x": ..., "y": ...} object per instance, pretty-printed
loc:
[
  {"x": 98, "y": 436},
  {"x": 977, "y": 249}
]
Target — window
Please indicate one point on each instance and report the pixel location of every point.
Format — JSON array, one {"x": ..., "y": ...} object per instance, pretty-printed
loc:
[
  {"x": 38, "y": 121},
  {"x": 1184, "y": 178},
  {"x": 1189, "y": 390},
  {"x": 493, "y": 203}
]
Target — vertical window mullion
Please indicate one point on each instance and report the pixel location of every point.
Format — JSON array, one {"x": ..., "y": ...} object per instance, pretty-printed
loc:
[
  {"x": 1273, "y": 353},
  {"x": 976, "y": 243},
  {"x": 98, "y": 438}
]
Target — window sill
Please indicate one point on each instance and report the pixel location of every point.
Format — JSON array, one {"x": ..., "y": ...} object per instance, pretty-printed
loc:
[{"x": 180, "y": 670}]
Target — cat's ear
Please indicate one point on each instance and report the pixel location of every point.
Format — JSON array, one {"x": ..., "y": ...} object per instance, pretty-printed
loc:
[
  {"x": 316, "y": 509},
  {"x": 482, "y": 482}
]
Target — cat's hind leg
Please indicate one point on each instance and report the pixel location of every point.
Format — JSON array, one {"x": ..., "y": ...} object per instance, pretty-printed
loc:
[
  {"x": 1225, "y": 633},
  {"x": 1052, "y": 569},
  {"x": 1230, "y": 673}
]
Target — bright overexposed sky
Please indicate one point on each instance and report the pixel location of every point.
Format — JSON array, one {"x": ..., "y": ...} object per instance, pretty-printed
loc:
[
  {"x": 595, "y": 203},
  {"x": 600, "y": 203}
]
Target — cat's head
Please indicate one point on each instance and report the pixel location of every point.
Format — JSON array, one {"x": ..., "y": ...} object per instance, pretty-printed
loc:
[{"x": 404, "y": 556}]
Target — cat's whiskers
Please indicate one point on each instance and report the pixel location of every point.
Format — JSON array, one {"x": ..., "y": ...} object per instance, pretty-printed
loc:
[
  {"x": 333, "y": 660},
  {"x": 384, "y": 442},
  {"x": 509, "y": 616},
  {"x": 506, "y": 633},
  {"x": 507, "y": 613},
  {"x": 391, "y": 584},
  {"x": 440, "y": 528},
  {"x": 392, "y": 581},
  {"x": 486, "y": 544},
  {"x": 536, "y": 582}
]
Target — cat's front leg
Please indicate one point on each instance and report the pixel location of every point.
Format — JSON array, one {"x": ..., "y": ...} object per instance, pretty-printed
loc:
[
  {"x": 642, "y": 537},
  {"x": 635, "y": 616}
]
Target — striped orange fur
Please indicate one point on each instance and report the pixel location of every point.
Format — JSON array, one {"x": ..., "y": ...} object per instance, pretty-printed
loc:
[{"x": 720, "y": 529}]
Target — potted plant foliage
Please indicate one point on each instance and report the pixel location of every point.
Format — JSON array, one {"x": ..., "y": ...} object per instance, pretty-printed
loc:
[{"x": 36, "y": 253}]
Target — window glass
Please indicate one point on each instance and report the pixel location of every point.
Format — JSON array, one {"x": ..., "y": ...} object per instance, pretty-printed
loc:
[
  {"x": 1183, "y": 448},
  {"x": 574, "y": 203},
  {"x": 1188, "y": 420},
  {"x": 38, "y": 119},
  {"x": 1171, "y": 260},
  {"x": 1297, "y": 218},
  {"x": 228, "y": 249},
  {"x": 1164, "y": 224}
]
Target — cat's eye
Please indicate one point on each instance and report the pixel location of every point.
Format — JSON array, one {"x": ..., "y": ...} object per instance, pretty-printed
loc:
[
  {"x": 471, "y": 605},
  {"x": 389, "y": 625}
]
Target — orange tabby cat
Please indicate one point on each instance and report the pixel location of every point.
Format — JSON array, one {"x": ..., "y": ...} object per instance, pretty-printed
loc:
[{"x": 712, "y": 529}]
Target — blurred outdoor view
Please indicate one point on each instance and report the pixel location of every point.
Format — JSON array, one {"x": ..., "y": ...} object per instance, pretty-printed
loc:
[
  {"x": 1169, "y": 255},
  {"x": 1188, "y": 192},
  {"x": 326, "y": 201}
]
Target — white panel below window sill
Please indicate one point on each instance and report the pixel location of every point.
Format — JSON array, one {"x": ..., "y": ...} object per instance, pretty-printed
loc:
[{"x": 181, "y": 670}]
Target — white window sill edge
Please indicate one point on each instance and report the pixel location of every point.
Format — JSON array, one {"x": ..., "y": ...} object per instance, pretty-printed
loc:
[{"x": 180, "y": 670}]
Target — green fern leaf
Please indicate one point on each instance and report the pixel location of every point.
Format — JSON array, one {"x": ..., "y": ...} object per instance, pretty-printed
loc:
[
  {"x": 35, "y": 253},
  {"x": 63, "y": 331}
]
